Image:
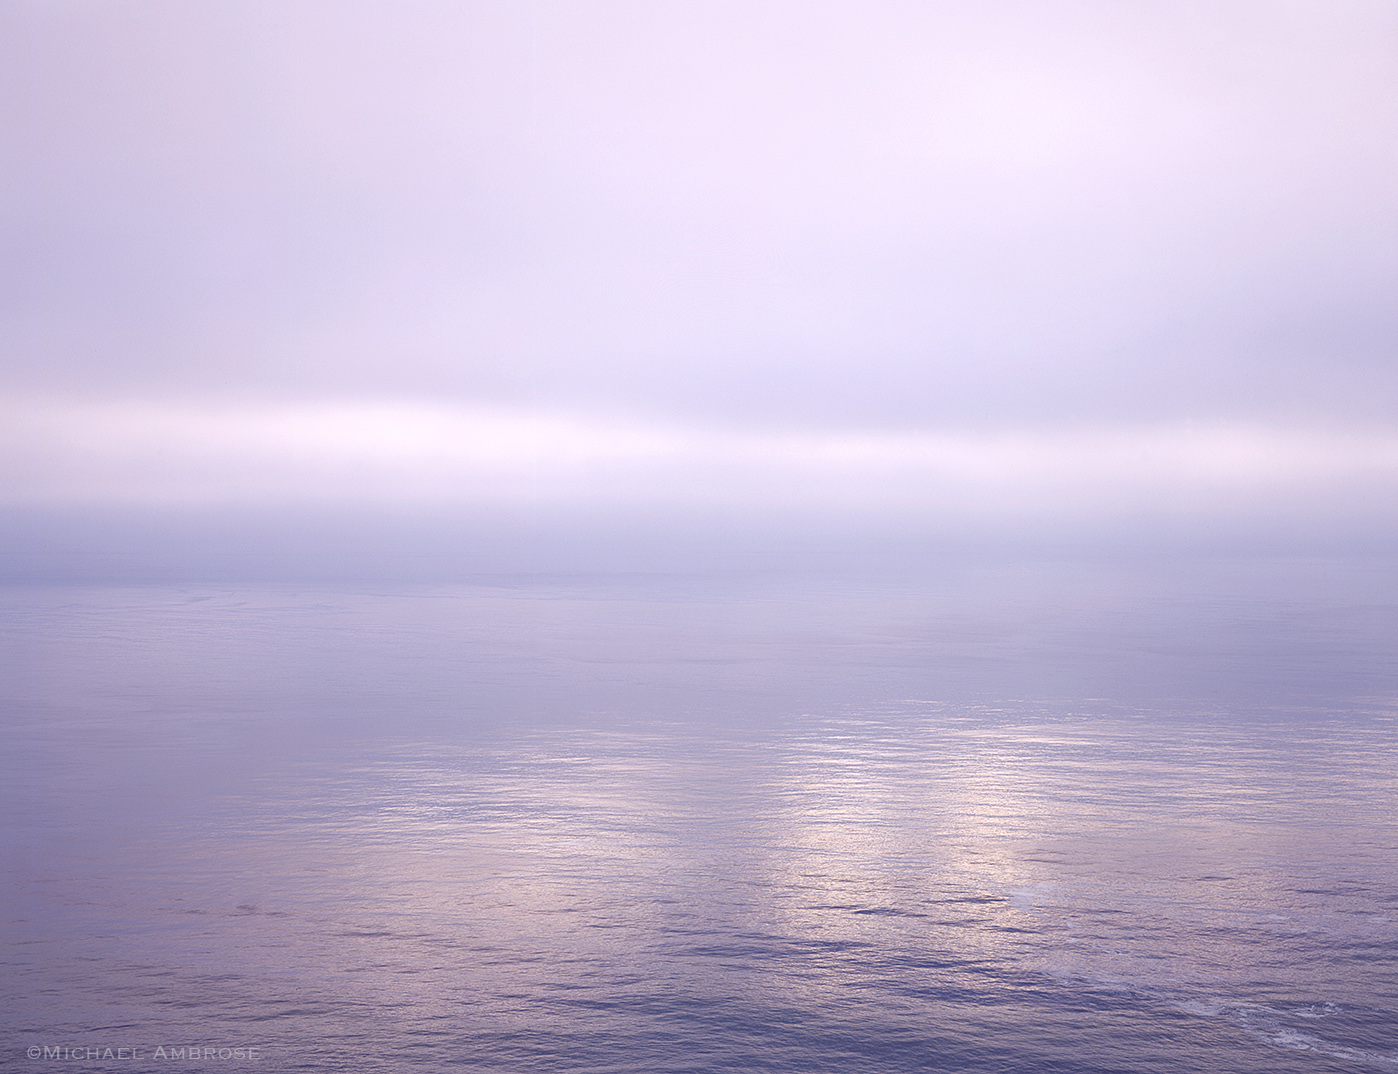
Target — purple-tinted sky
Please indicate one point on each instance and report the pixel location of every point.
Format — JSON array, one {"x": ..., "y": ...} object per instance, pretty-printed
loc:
[{"x": 700, "y": 220}]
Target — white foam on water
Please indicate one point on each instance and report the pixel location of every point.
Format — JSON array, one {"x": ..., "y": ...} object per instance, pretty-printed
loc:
[
  {"x": 1202, "y": 1008},
  {"x": 1290, "y": 1038}
]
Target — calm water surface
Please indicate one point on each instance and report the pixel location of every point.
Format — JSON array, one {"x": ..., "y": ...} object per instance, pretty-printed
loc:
[{"x": 1049, "y": 818}]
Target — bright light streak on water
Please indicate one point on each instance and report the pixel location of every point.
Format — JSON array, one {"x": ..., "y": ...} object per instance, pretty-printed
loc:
[{"x": 498, "y": 829}]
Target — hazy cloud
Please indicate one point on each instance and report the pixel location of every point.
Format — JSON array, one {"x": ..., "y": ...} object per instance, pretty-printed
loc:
[
  {"x": 806, "y": 216},
  {"x": 442, "y": 458},
  {"x": 449, "y": 276}
]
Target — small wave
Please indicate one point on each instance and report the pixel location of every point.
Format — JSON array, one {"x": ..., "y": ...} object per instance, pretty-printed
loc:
[
  {"x": 1200, "y": 1007},
  {"x": 1266, "y": 1025},
  {"x": 1294, "y": 1039}
]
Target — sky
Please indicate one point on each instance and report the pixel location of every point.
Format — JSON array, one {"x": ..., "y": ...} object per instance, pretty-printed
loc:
[{"x": 920, "y": 263}]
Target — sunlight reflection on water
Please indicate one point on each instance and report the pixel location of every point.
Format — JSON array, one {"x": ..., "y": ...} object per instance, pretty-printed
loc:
[{"x": 885, "y": 886}]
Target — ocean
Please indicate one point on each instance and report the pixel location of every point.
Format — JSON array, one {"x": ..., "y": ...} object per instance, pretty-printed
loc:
[{"x": 1112, "y": 814}]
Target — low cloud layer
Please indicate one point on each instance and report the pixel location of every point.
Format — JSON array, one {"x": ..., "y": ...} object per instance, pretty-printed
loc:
[{"x": 379, "y": 456}]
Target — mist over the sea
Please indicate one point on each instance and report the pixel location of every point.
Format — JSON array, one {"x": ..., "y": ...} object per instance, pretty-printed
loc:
[{"x": 557, "y": 535}]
